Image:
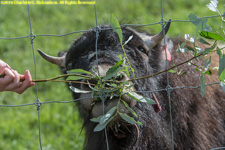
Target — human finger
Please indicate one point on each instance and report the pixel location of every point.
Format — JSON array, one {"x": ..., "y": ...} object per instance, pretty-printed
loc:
[
  {"x": 15, "y": 83},
  {"x": 26, "y": 83},
  {"x": 8, "y": 78}
]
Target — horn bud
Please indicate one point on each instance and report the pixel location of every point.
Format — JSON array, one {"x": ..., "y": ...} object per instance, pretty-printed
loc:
[{"x": 60, "y": 61}]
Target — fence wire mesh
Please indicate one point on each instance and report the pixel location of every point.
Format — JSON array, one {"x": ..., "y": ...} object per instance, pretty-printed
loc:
[{"x": 97, "y": 29}]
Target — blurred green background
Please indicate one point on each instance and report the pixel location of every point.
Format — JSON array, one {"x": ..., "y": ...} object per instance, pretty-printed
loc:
[{"x": 60, "y": 123}]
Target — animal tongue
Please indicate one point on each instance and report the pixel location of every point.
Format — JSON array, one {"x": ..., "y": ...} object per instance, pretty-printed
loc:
[{"x": 156, "y": 106}]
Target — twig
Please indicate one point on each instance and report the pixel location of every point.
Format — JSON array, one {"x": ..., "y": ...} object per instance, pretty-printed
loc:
[{"x": 157, "y": 73}]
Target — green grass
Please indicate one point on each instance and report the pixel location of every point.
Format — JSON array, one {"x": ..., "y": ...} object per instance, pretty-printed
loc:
[{"x": 60, "y": 124}]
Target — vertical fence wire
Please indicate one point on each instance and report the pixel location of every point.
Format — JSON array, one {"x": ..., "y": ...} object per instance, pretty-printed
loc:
[
  {"x": 37, "y": 103},
  {"x": 168, "y": 79},
  {"x": 103, "y": 97}
]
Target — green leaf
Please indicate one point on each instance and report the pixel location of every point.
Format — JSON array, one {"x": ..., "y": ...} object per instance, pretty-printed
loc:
[
  {"x": 208, "y": 72},
  {"x": 211, "y": 35},
  {"x": 116, "y": 28},
  {"x": 221, "y": 61},
  {"x": 128, "y": 87},
  {"x": 207, "y": 63},
  {"x": 203, "y": 41},
  {"x": 120, "y": 57},
  {"x": 140, "y": 98},
  {"x": 113, "y": 74},
  {"x": 96, "y": 119},
  {"x": 75, "y": 78},
  {"x": 208, "y": 50},
  {"x": 222, "y": 76},
  {"x": 189, "y": 48},
  {"x": 198, "y": 69},
  {"x": 126, "y": 83},
  {"x": 194, "y": 19},
  {"x": 201, "y": 26},
  {"x": 100, "y": 127},
  {"x": 222, "y": 84},
  {"x": 107, "y": 115},
  {"x": 127, "y": 118},
  {"x": 130, "y": 109},
  {"x": 139, "y": 123},
  {"x": 200, "y": 23},
  {"x": 172, "y": 71},
  {"x": 76, "y": 90},
  {"x": 114, "y": 70},
  {"x": 202, "y": 85},
  {"x": 127, "y": 71},
  {"x": 181, "y": 48},
  {"x": 79, "y": 71}
]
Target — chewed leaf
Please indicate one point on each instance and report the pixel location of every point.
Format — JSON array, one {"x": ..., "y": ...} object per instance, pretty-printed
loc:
[
  {"x": 140, "y": 98},
  {"x": 127, "y": 118},
  {"x": 107, "y": 115},
  {"x": 76, "y": 90}
]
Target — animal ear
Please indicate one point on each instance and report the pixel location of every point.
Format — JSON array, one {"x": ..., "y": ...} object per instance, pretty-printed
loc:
[
  {"x": 166, "y": 53},
  {"x": 62, "y": 53},
  {"x": 166, "y": 49},
  {"x": 152, "y": 41}
]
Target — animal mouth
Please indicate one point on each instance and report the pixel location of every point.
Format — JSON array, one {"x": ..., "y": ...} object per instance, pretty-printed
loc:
[
  {"x": 102, "y": 107},
  {"x": 127, "y": 133}
]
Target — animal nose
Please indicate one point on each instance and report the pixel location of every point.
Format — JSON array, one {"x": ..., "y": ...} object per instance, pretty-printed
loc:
[{"x": 121, "y": 78}]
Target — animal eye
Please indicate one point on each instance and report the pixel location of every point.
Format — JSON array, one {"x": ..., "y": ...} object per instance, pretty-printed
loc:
[
  {"x": 141, "y": 49},
  {"x": 69, "y": 66}
]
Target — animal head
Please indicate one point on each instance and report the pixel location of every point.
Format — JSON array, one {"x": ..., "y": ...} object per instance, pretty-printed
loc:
[{"x": 145, "y": 54}]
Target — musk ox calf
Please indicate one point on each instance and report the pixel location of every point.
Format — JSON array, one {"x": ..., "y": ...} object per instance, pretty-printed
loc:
[{"x": 198, "y": 123}]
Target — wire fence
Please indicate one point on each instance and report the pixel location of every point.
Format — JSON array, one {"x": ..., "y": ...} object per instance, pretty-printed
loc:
[{"x": 97, "y": 29}]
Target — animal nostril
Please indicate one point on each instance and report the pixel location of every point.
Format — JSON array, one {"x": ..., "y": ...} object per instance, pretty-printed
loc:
[
  {"x": 92, "y": 81},
  {"x": 121, "y": 77}
]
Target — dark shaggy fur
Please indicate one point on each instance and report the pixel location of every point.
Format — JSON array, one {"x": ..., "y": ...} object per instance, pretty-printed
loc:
[{"x": 198, "y": 123}]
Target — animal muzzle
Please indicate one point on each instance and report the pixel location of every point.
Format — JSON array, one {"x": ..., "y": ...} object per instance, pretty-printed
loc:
[{"x": 103, "y": 97}]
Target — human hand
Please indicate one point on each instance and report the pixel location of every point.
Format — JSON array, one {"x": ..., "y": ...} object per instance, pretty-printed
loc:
[{"x": 11, "y": 80}]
